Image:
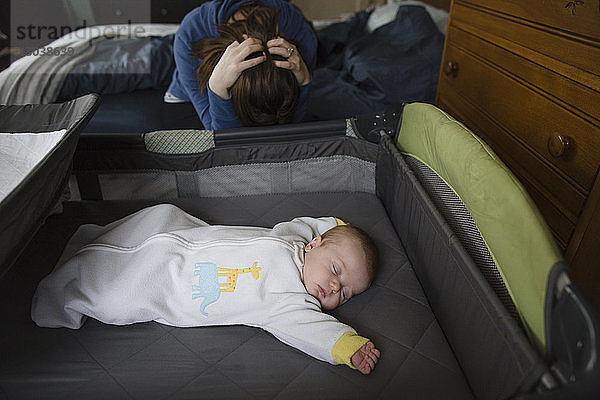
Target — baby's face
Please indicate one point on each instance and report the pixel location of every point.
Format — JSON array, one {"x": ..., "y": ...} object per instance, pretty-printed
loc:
[{"x": 335, "y": 271}]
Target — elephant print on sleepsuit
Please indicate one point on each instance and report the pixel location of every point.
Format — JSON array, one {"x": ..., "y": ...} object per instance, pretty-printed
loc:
[{"x": 207, "y": 285}]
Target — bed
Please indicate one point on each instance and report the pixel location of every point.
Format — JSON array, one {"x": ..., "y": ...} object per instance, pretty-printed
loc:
[
  {"x": 356, "y": 71},
  {"x": 451, "y": 321}
]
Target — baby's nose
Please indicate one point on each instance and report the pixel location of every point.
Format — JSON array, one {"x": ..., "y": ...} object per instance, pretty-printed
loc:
[{"x": 334, "y": 286}]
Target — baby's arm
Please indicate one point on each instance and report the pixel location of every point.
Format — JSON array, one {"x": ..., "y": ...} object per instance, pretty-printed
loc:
[
  {"x": 301, "y": 324},
  {"x": 365, "y": 358}
]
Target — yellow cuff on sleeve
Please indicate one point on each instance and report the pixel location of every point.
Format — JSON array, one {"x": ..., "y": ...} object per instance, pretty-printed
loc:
[
  {"x": 340, "y": 222},
  {"x": 346, "y": 346}
]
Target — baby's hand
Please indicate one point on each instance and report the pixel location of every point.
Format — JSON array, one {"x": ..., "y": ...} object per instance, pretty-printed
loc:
[{"x": 365, "y": 358}]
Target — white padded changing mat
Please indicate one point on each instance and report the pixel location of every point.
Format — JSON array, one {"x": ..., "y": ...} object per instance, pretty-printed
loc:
[{"x": 20, "y": 153}]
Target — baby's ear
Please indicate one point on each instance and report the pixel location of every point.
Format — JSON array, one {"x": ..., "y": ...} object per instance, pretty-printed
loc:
[{"x": 316, "y": 242}]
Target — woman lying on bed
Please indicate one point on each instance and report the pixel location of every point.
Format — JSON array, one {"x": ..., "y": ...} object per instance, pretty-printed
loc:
[{"x": 243, "y": 63}]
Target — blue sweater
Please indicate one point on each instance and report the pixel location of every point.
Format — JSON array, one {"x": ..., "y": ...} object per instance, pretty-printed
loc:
[{"x": 201, "y": 22}]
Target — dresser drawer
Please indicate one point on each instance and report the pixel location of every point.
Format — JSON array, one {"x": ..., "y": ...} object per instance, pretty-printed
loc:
[
  {"x": 530, "y": 115},
  {"x": 577, "y": 95},
  {"x": 519, "y": 159},
  {"x": 579, "y": 17},
  {"x": 556, "y": 199},
  {"x": 552, "y": 48}
]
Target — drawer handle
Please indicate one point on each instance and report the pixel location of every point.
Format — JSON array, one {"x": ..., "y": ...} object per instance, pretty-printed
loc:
[
  {"x": 558, "y": 145},
  {"x": 451, "y": 68}
]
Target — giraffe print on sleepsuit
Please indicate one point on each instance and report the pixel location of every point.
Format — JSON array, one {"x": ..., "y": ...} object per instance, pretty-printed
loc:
[
  {"x": 232, "y": 275},
  {"x": 206, "y": 283}
]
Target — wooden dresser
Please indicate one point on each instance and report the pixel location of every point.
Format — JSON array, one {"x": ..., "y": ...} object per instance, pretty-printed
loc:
[{"x": 525, "y": 76}]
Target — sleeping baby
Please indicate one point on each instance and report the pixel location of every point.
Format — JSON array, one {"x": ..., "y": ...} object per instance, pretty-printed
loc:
[{"x": 162, "y": 264}]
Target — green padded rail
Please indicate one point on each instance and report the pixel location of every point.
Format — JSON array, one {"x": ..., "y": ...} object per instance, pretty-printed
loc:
[{"x": 515, "y": 233}]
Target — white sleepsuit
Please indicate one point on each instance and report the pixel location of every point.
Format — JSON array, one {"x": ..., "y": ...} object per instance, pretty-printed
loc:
[{"x": 162, "y": 264}]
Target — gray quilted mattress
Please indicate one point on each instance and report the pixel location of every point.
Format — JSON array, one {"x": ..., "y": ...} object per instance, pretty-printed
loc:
[{"x": 153, "y": 361}]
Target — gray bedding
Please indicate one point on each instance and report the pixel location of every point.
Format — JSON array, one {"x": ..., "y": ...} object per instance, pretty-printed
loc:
[{"x": 153, "y": 361}]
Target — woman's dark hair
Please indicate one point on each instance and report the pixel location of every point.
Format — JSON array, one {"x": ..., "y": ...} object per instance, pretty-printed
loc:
[{"x": 263, "y": 94}]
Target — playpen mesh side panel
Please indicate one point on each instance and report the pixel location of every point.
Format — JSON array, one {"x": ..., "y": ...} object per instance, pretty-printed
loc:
[
  {"x": 490, "y": 347},
  {"x": 115, "y": 153},
  {"x": 460, "y": 221},
  {"x": 333, "y": 173},
  {"x": 152, "y": 361}
]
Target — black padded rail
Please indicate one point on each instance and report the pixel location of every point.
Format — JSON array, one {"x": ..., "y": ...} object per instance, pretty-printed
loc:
[
  {"x": 280, "y": 133},
  {"x": 492, "y": 350},
  {"x": 110, "y": 141}
]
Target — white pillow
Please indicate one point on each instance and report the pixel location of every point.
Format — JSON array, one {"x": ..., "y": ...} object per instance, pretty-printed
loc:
[{"x": 386, "y": 14}]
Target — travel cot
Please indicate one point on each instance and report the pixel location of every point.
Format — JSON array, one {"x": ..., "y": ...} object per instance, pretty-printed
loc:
[{"x": 471, "y": 299}]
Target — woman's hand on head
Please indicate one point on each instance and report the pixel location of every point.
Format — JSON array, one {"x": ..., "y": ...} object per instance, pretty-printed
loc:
[
  {"x": 232, "y": 63},
  {"x": 293, "y": 62}
]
